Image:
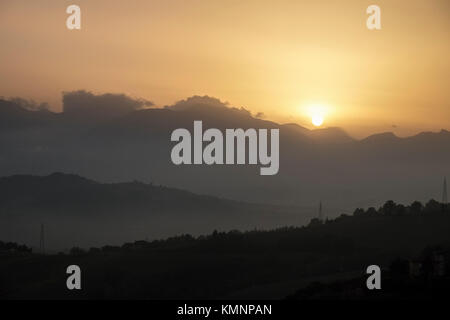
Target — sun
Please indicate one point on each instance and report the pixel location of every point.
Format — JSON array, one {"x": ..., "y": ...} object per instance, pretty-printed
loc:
[
  {"x": 317, "y": 120},
  {"x": 317, "y": 113}
]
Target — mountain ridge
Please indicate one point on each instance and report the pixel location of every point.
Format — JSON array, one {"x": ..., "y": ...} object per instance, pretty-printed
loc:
[
  {"x": 9, "y": 108},
  {"x": 112, "y": 212},
  {"x": 318, "y": 164}
]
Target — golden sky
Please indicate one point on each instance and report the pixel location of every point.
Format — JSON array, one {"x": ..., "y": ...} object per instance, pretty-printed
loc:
[{"x": 276, "y": 57}]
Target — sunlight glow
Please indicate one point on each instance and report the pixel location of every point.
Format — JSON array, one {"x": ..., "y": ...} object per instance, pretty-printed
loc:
[
  {"x": 317, "y": 120},
  {"x": 317, "y": 112}
]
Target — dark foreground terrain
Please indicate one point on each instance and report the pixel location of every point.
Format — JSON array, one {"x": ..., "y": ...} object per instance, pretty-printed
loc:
[{"x": 327, "y": 259}]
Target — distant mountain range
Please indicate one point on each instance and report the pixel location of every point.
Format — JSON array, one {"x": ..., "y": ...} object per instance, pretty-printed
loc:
[{"x": 129, "y": 144}]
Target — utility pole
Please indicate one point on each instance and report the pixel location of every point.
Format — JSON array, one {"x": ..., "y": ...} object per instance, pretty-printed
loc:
[
  {"x": 320, "y": 211},
  {"x": 444, "y": 192},
  {"x": 42, "y": 240}
]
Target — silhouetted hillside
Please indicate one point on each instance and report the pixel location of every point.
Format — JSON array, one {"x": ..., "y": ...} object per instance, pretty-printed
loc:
[
  {"x": 79, "y": 211},
  {"x": 13, "y": 248},
  {"x": 253, "y": 264},
  {"x": 424, "y": 277}
]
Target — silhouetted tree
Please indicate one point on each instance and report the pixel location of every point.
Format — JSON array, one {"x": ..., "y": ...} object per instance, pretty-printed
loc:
[
  {"x": 371, "y": 212},
  {"x": 400, "y": 210},
  {"x": 433, "y": 206},
  {"x": 388, "y": 208},
  {"x": 315, "y": 222},
  {"x": 416, "y": 207},
  {"x": 76, "y": 251}
]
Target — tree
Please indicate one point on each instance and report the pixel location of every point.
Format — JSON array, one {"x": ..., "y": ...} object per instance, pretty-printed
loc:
[
  {"x": 315, "y": 222},
  {"x": 416, "y": 207},
  {"x": 400, "y": 210},
  {"x": 76, "y": 251},
  {"x": 433, "y": 206},
  {"x": 358, "y": 212},
  {"x": 371, "y": 212},
  {"x": 389, "y": 207}
]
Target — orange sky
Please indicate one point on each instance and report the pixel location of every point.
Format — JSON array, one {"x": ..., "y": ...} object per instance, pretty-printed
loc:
[{"x": 276, "y": 57}]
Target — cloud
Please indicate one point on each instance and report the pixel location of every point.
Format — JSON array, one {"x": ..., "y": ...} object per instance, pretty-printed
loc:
[
  {"x": 29, "y": 104},
  {"x": 210, "y": 102},
  {"x": 86, "y": 103},
  {"x": 260, "y": 115},
  {"x": 196, "y": 101}
]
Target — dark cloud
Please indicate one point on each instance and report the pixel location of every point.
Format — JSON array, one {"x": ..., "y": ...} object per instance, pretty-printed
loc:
[
  {"x": 29, "y": 104},
  {"x": 86, "y": 103},
  {"x": 205, "y": 101},
  {"x": 196, "y": 101}
]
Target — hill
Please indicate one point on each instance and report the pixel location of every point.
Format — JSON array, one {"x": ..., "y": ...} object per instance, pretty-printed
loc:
[
  {"x": 78, "y": 211},
  {"x": 253, "y": 265}
]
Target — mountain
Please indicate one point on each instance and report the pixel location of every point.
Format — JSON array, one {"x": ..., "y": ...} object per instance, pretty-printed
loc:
[
  {"x": 381, "y": 138},
  {"x": 323, "y": 164},
  {"x": 331, "y": 135},
  {"x": 15, "y": 117},
  {"x": 79, "y": 211}
]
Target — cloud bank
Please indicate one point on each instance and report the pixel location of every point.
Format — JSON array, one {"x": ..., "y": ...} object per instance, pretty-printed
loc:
[{"x": 81, "y": 103}]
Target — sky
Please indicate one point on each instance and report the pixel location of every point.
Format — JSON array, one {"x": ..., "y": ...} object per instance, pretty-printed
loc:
[{"x": 283, "y": 58}]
